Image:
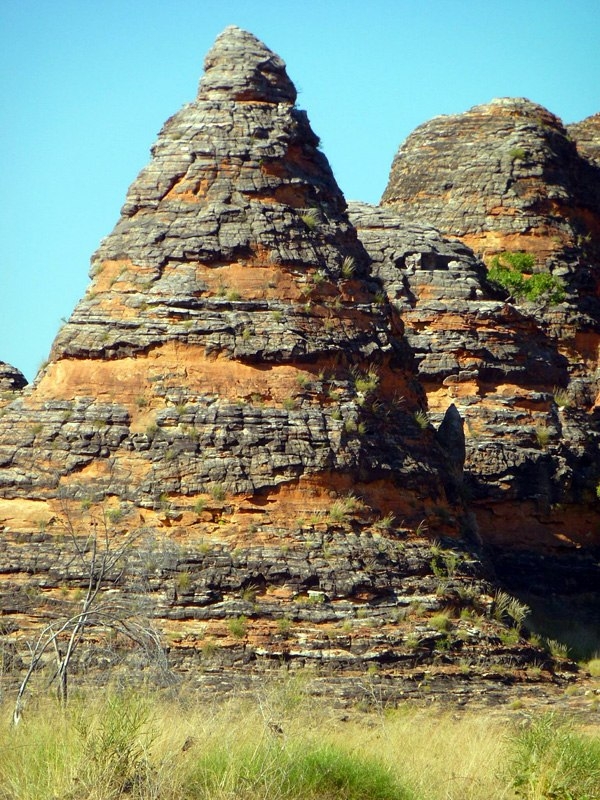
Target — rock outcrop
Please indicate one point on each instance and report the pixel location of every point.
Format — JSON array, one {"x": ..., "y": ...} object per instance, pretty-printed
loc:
[
  {"x": 11, "y": 379},
  {"x": 527, "y": 442},
  {"x": 586, "y": 135},
  {"x": 502, "y": 176},
  {"x": 231, "y": 336},
  {"x": 246, "y": 395},
  {"x": 509, "y": 177}
]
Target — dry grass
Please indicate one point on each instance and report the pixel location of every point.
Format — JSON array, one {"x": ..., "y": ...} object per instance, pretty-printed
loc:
[{"x": 277, "y": 744}]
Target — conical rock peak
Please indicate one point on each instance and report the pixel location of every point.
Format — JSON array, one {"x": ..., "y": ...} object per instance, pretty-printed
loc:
[
  {"x": 240, "y": 67},
  {"x": 234, "y": 296}
]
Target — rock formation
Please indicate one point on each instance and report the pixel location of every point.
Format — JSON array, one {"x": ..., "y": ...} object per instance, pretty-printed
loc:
[
  {"x": 248, "y": 387},
  {"x": 231, "y": 336},
  {"x": 11, "y": 379},
  {"x": 586, "y": 135},
  {"x": 509, "y": 177},
  {"x": 502, "y": 176}
]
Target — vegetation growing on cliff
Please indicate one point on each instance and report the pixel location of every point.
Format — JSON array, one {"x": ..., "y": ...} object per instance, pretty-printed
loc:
[{"x": 514, "y": 273}]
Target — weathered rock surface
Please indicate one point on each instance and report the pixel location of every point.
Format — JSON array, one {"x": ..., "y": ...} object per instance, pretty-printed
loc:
[
  {"x": 508, "y": 176},
  {"x": 232, "y": 369},
  {"x": 586, "y": 135},
  {"x": 244, "y": 389},
  {"x": 508, "y": 166},
  {"x": 11, "y": 379},
  {"x": 496, "y": 363},
  {"x": 219, "y": 343}
]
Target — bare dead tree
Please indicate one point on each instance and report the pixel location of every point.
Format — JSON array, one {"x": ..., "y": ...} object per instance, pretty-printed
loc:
[{"x": 100, "y": 557}]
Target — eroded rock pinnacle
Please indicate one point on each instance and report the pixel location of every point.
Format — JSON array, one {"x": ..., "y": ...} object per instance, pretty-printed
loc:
[{"x": 240, "y": 67}]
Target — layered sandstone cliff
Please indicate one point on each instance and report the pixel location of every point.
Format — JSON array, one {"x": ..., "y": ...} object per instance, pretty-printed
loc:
[
  {"x": 248, "y": 387},
  {"x": 505, "y": 175},
  {"x": 509, "y": 177}
]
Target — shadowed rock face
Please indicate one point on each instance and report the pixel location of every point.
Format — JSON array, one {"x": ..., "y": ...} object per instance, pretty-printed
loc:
[
  {"x": 508, "y": 176},
  {"x": 586, "y": 135},
  {"x": 245, "y": 384},
  {"x": 528, "y": 448}
]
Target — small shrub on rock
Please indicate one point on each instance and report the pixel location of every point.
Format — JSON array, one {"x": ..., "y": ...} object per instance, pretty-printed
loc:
[{"x": 513, "y": 272}]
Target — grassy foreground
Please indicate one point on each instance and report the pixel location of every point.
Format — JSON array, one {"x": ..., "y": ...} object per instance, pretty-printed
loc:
[{"x": 282, "y": 745}]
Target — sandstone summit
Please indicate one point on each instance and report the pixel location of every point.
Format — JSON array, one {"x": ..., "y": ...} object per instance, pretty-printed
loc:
[{"x": 319, "y": 421}]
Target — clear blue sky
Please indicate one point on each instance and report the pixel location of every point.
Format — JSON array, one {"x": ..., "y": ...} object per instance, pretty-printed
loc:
[{"x": 87, "y": 84}]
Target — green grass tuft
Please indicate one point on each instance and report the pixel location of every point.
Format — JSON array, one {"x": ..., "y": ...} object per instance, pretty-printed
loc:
[{"x": 551, "y": 760}]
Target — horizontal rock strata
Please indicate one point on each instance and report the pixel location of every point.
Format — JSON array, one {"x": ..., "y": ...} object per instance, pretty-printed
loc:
[
  {"x": 509, "y": 177},
  {"x": 290, "y": 429}
]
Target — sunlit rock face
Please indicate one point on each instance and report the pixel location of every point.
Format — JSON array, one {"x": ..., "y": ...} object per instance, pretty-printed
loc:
[
  {"x": 231, "y": 323},
  {"x": 508, "y": 176},
  {"x": 288, "y": 401},
  {"x": 504, "y": 175},
  {"x": 235, "y": 387}
]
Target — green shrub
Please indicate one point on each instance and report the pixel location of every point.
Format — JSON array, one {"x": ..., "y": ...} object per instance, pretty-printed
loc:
[
  {"x": 421, "y": 419},
  {"x": 509, "y": 636},
  {"x": 440, "y": 622},
  {"x": 513, "y": 272},
  {"x": 542, "y": 436},
  {"x": 508, "y": 608},
  {"x": 365, "y": 382},
  {"x": 303, "y": 380},
  {"x": 556, "y": 649},
  {"x": 386, "y": 523},
  {"x": 544, "y": 286},
  {"x": 115, "y": 745},
  {"x": 97, "y": 749},
  {"x": 284, "y": 626},
  {"x": 348, "y": 267},
  {"x": 517, "y": 152},
  {"x": 520, "y": 261},
  {"x": 183, "y": 581},
  {"x": 218, "y": 492},
  {"x": 199, "y": 505},
  {"x": 115, "y": 515},
  {"x": 561, "y": 397},
  {"x": 341, "y": 509},
  {"x": 310, "y": 217}
]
